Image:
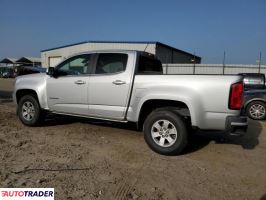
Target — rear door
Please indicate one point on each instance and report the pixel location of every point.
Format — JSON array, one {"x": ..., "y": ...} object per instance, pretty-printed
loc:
[{"x": 109, "y": 86}]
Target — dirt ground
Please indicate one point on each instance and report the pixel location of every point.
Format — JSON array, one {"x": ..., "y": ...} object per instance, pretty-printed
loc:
[
  {"x": 6, "y": 87},
  {"x": 86, "y": 159},
  {"x": 6, "y": 84}
]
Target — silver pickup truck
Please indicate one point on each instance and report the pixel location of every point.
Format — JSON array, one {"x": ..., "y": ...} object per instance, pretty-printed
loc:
[{"x": 129, "y": 86}]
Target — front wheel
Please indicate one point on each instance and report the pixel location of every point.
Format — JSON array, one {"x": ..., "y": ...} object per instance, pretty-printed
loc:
[
  {"x": 256, "y": 110},
  {"x": 165, "y": 132},
  {"x": 29, "y": 111}
]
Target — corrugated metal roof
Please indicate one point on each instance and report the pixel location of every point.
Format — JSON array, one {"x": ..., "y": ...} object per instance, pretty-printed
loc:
[
  {"x": 29, "y": 59},
  {"x": 124, "y": 42},
  {"x": 92, "y": 41},
  {"x": 9, "y": 60},
  {"x": 74, "y": 44}
]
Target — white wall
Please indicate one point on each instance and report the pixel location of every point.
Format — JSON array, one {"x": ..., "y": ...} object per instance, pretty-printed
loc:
[
  {"x": 68, "y": 51},
  {"x": 211, "y": 69}
]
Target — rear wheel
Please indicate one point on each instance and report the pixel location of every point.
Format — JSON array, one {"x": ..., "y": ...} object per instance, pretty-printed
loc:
[
  {"x": 256, "y": 110},
  {"x": 29, "y": 111},
  {"x": 165, "y": 132}
]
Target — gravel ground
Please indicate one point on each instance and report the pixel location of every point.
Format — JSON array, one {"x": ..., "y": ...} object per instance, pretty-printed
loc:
[{"x": 86, "y": 159}]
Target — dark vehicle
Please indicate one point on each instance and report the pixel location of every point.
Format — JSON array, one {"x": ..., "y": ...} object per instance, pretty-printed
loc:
[
  {"x": 255, "y": 104},
  {"x": 253, "y": 81},
  {"x": 254, "y": 95},
  {"x": 6, "y": 72},
  {"x": 24, "y": 70}
]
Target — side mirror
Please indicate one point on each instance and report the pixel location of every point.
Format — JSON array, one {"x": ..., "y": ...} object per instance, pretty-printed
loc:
[{"x": 50, "y": 71}]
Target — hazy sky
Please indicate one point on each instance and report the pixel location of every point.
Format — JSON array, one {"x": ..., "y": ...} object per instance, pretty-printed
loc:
[{"x": 208, "y": 27}]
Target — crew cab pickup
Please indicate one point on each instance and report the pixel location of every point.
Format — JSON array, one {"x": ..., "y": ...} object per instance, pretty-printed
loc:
[{"x": 129, "y": 86}]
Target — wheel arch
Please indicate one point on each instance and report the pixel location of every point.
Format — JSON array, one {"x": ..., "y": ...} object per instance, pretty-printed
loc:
[
  {"x": 22, "y": 92},
  {"x": 252, "y": 100},
  {"x": 150, "y": 105}
]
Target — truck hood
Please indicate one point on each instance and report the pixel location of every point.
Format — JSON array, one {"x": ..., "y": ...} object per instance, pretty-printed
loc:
[
  {"x": 31, "y": 76},
  {"x": 31, "y": 81}
]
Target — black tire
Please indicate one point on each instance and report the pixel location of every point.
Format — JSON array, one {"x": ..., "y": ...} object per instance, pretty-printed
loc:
[
  {"x": 250, "y": 110},
  {"x": 181, "y": 132},
  {"x": 37, "y": 116}
]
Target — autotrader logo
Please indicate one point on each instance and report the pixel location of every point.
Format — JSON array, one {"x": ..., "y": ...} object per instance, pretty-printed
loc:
[{"x": 26, "y": 193}]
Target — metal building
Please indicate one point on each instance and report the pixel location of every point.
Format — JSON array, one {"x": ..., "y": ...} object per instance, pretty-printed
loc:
[
  {"x": 166, "y": 53},
  {"x": 8, "y": 62},
  {"x": 29, "y": 61},
  {"x": 13, "y": 62}
]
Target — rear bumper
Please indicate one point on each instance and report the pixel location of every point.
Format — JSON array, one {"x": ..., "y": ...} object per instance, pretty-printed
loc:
[{"x": 236, "y": 125}]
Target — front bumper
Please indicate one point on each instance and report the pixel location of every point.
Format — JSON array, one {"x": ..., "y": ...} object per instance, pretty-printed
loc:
[{"x": 236, "y": 125}]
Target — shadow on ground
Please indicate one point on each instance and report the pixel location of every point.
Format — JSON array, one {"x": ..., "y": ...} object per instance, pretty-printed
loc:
[
  {"x": 5, "y": 94},
  {"x": 197, "y": 140},
  {"x": 249, "y": 141}
]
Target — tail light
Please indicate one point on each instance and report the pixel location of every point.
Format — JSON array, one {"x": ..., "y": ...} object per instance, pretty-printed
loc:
[{"x": 236, "y": 96}]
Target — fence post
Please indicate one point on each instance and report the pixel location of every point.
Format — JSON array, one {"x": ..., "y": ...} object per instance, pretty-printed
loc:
[
  {"x": 260, "y": 62},
  {"x": 194, "y": 61},
  {"x": 224, "y": 63}
]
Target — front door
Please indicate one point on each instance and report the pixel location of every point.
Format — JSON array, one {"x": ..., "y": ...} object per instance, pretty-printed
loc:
[{"x": 67, "y": 90}]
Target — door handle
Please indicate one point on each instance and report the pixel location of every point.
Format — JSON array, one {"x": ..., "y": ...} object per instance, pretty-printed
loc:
[
  {"x": 79, "y": 82},
  {"x": 119, "y": 82}
]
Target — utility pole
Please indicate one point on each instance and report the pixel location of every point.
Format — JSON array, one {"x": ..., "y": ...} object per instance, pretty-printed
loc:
[{"x": 224, "y": 63}]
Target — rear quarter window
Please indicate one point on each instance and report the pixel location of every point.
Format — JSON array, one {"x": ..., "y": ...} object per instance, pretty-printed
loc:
[{"x": 149, "y": 65}]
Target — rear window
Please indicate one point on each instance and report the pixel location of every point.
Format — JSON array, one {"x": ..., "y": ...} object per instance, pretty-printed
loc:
[
  {"x": 149, "y": 65},
  {"x": 109, "y": 63}
]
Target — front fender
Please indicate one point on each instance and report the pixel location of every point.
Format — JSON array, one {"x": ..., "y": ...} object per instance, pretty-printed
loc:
[{"x": 37, "y": 83}]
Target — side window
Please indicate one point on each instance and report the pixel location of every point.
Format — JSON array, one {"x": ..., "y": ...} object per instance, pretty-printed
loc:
[
  {"x": 111, "y": 63},
  {"x": 75, "y": 66},
  {"x": 149, "y": 65}
]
